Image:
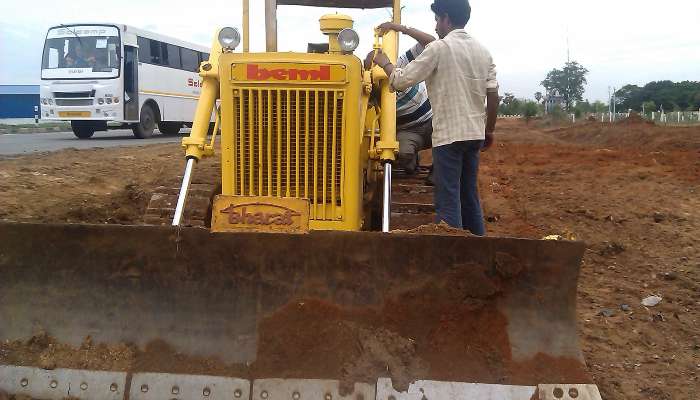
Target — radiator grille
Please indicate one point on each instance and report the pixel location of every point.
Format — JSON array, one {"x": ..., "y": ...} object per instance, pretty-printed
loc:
[
  {"x": 73, "y": 95},
  {"x": 288, "y": 143},
  {"x": 74, "y": 102}
]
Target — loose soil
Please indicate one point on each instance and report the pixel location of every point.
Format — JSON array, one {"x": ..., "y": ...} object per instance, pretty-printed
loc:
[{"x": 629, "y": 190}]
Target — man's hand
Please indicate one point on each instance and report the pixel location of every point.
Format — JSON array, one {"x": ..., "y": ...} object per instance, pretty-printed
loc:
[
  {"x": 376, "y": 57},
  {"x": 390, "y": 26},
  {"x": 381, "y": 59},
  {"x": 488, "y": 141}
]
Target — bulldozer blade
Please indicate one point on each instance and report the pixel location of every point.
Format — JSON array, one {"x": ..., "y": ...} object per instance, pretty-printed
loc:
[{"x": 471, "y": 309}]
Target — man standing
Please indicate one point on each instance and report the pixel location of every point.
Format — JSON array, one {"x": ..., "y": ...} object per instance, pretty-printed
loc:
[
  {"x": 414, "y": 114},
  {"x": 460, "y": 76}
]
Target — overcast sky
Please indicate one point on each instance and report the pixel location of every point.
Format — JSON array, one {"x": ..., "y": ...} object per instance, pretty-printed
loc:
[{"x": 619, "y": 41}]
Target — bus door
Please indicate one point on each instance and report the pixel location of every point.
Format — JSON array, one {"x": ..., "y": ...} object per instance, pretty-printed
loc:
[{"x": 131, "y": 83}]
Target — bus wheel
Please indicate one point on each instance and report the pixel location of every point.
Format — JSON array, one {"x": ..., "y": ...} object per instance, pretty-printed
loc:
[
  {"x": 169, "y": 128},
  {"x": 147, "y": 124},
  {"x": 82, "y": 129}
]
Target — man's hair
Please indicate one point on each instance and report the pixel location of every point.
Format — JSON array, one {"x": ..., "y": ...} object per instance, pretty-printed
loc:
[{"x": 459, "y": 11}]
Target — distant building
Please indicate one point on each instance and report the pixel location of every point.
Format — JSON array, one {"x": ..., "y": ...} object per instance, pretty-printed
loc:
[
  {"x": 552, "y": 100},
  {"x": 18, "y": 101}
]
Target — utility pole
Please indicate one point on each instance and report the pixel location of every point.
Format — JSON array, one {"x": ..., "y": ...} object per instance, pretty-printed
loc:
[
  {"x": 609, "y": 105},
  {"x": 568, "y": 77}
]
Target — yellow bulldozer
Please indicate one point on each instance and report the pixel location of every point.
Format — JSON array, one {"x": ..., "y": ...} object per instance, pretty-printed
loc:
[{"x": 298, "y": 289}]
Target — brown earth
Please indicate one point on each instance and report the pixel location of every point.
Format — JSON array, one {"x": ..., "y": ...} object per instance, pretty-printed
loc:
[{"x": 630, "y": 191}]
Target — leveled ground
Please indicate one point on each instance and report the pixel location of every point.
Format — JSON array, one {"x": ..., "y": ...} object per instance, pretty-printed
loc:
[{"x": 630, "y": 191}]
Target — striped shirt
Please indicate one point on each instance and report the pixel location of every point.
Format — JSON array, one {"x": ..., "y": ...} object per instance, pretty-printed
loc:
[
  {"x": 458, "y": 71},
  {"x": 412, "y": 105}
]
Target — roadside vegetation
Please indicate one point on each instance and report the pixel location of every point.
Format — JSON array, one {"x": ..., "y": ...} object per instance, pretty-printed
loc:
[{"x": 33, "y": 128}]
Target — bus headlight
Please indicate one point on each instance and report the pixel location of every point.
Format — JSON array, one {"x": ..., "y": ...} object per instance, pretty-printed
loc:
[
  {"x": 50, "y": 101},
  {"x": 100, "y": 101},
  {"x": 109, "y": 100},
  {"x": 229, "y": 38},
  {"x": 348, "y": 40},
  {"x": 116, "y": 100}
]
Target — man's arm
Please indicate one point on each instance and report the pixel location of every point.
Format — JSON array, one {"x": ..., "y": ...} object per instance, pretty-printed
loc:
[
  {"x": 492, "y": 101},
  {"x": 421, "y": 37},
  {"x": 416, "y": 71}
]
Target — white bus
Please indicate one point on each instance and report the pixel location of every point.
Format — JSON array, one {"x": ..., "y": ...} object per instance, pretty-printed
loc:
[{"x": 108, "y": 76}]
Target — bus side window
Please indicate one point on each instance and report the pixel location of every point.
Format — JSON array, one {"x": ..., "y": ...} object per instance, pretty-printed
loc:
[
  {"x": 164, "y": 54},
  {"x": 190, "y": 59},
  {"x": 144, "y": 49},
  {"x": 173, "y": 56},
  {"x": 156, "y": 57}
]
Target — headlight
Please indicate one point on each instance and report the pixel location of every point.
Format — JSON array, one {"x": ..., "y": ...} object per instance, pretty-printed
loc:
[
  {"x": 348, "y": 40},
  {"x": 229, "y": 38},
  {"x": 44, "y": 101},
  {"x": 109, "y": 100},
  {"x": 50, "y": 101},
  {"x": 116, "y": 100},
  {"x": 100, "y": 101}
]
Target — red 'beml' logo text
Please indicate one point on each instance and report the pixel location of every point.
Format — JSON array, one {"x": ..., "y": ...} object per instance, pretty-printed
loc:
[{"x": 255, "y": 73}]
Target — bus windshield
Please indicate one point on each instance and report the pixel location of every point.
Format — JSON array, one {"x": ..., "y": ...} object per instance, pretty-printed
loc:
[{"x": 81, "y": 51}]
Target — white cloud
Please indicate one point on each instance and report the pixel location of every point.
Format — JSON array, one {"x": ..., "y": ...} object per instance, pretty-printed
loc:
[{"x": 619, "y": 41}]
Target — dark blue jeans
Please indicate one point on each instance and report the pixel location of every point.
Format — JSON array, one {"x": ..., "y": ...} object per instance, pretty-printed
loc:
[{"x": 455, "y": 169}]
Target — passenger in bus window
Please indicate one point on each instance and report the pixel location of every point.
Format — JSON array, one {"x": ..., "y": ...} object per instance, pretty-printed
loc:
[{"x": 76, "y": 58}]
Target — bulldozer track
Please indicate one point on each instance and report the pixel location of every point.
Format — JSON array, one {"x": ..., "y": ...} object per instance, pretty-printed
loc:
[
  {"x": 161, "y": 207},
  {"x": 411, "y": 201}
]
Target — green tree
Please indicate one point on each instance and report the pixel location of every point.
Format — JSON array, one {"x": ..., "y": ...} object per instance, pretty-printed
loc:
[
  {"x": 665, "y": 94},
  {"x": 649, "y": 106},
  {"x": 507, "y": 98},
  {"x": 599, "y": 107},
  {"x": 569, "y": 82},
  {"x": 629, "y": 96},
  {"x": 583, "y": 107},
  {"x": 510, "y": 105},
  {"x": 530, "y": 109}
]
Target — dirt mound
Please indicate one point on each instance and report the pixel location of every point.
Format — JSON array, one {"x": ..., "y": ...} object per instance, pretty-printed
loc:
[
  {"x": 98, "y": 186},
  {"x": 634, "y": 119},
  {"x": 633, "y": 132}
]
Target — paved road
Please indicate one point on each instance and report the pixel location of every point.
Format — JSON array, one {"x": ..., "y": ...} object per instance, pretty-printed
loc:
[{"x": 26, "y": 143}]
